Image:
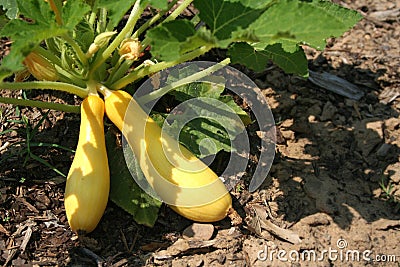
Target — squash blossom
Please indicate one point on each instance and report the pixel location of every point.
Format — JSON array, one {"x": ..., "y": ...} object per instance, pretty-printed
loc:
[
  {"x": 40, "y": 67},
  {"x": 130, "y": 49}
]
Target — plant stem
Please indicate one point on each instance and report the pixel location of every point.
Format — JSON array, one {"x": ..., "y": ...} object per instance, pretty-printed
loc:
[
  {"x": 59, "y": 86},
  {"x": 92, "y": 19},
  {"x": 49, "y": 55},
  {"x": 178, "y": 10},
  {"x": 133, "y": 17},
  {"x": 189, "y": 79},
  {"x": 102, "y": 22},
  {"x": 65, "y": 75},
  {"x": 136, "y": 75},
  {"x": 119, "y": 70},
  {"x": 56, "y": 6},
  {"x": 40, "y": 104},
  {"x": 77, "y": 49},
  {"x": 153, "y": 20}
]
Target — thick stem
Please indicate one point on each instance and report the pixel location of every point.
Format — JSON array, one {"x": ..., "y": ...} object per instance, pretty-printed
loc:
[
  {"x": 189, "y": 79},
  {"x": 133, "y": 17},
  {"x": 136, "y": 75},
  {"x": 40, "y": 104},
  {"x": 59, "y": 86}
]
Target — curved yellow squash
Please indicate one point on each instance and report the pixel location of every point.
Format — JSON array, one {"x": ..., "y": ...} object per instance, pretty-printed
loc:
[
  {"x": 88, "y": 180},
  {"x": 181, "y": 180}
]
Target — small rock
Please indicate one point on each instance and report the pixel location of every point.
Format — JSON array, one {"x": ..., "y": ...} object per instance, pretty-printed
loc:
[
  {"x": 393, "y": 171},
  {"x": 383, "y": 150},
  {"x": 328, "y": 111},
  {"x": 199, "y": 231}
]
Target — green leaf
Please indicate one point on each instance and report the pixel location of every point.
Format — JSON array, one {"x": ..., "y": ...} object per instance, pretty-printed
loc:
[
  {"x": 291, "y": 62},
  {"x": 84, "y": 34},
  {"x": 27, "y": 35},
  {"x": 295, "y": 22},
  {"x": 73, "y": 13},
  {"x": 124, "y": 191},
  {"x": 11, "y": 8},
  {"x": 159, "y": 4},
  {"x": 116, "y": 10},
  {"x": 255, "y": 4},
  {"x": 174, "y": 38},
  {"x": 226, "y": 19}
]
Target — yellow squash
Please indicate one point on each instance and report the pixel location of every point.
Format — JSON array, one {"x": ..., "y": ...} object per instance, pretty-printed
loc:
[
  {"x": 181, "y": 180},
  {"x": 88, "y": 180}
]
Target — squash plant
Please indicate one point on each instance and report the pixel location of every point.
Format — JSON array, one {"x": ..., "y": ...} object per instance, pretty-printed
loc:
[{"x": 88, "y": 47}]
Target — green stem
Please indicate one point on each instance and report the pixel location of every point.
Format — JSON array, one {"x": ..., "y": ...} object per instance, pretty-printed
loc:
[
  {"x": 65, "y": 75},
  {"x": 189, "y": 79},
  {"x": 153, "y": 20},
  {"x": 102, "y": 24},
  {"x": 56, "y": 6},
  {"x": 59, "y": 86},
  {"x": 92, "y": 19},
  {"x": 119, "y": 70},
  {"x": 40, "y": 104},
  {"x": 178, "y": 10},
  {"x": 49, "y": 55},
  {"x": 133, "y": 17},
  {"x": 136, "y": 75},
  {"x": 77, "y": 49}
]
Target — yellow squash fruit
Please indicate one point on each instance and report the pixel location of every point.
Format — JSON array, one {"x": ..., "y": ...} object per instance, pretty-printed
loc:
[
  {"x": 181, "y": 180},
  {"x": 88, "y": 180}
]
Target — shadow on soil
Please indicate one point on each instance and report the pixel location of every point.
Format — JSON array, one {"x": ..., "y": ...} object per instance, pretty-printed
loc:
[{"x": 333, "y": 153}]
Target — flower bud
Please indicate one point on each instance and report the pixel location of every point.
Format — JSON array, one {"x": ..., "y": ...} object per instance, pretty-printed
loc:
[
  {"x": 40, "y": 67},
  {"x": 130, "y": 49},
  {"x": 101, "y": 40}
]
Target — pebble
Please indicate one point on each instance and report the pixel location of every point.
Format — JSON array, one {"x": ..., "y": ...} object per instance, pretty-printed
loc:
[
  {"x": 199, "y": 231},
  {"x": 328, "y": 111}
]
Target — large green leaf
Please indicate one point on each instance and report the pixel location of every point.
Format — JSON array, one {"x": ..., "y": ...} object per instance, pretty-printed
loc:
[
  {"x": 167, "y": 38},
  {"x": 73, "y": 12},
  {"x": 11, "y": 8},
  {"x": 115, "y": 10},
  {"x": 124, "y": 191},
  {"x": 295, "y": 22},
  {"x": 26, "y": 35},
  {"x": 25, "y": 38},
  {"x": 290, "y": 62},
  {"x": 172, "y": 39},
  {"x": 226, "y": 19}
]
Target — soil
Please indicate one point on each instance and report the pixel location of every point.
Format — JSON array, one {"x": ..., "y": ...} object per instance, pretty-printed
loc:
[{"x": 334, "y": 184}]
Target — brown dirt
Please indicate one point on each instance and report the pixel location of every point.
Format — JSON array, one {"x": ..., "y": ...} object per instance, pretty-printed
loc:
[{"x": 333, "y": 156}]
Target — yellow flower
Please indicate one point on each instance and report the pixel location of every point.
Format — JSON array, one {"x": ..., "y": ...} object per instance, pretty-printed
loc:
[
  {"x": 130, "y": 49},
  {"x": 40, "y": 67}
]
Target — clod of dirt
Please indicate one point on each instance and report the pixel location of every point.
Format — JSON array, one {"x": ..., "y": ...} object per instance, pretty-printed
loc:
[
  {"x": 199, "y": 231},
  {"x": 328, "y": 111}
]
